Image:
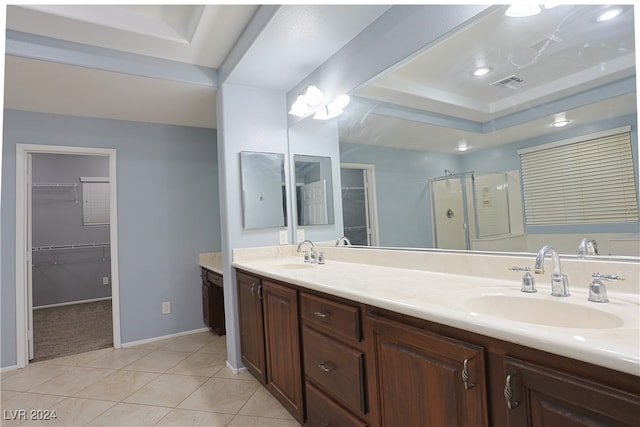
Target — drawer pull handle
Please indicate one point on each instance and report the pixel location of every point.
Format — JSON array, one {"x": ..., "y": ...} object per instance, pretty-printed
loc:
[
  {"x": 326, "y": 366},
  {"x": 321, "y": 314},
  {"x": 508, "y": 392},
  {"x": 465, "y": 375}
]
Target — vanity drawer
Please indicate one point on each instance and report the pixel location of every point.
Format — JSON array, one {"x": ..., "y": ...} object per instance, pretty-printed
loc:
[
  {"x": 337, "y": 318},
  {"x": 336, "y": 368},
  {"x": 322, "y": 411},
  {"x": 214, "y": 278}
]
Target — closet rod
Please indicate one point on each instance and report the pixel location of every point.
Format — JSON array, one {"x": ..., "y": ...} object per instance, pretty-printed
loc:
[
  {"x": 75, "y": 246},
  {"x": 54, "y": 184}
]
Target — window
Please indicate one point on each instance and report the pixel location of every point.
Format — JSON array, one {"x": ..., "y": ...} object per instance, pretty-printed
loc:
[
  {"x": 95, "y": 200},
  {"x": 580, "y": 180}
]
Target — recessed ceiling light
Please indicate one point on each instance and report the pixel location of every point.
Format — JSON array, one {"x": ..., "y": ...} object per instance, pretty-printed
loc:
[
  {"x": 609, "y": 14},
  {"x": 522, "y": 10},
  {"x": 481, "y": 71},
  {"x": 560, "y": 123}
]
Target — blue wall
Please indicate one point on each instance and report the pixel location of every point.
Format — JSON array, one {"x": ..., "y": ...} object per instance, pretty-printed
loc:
[
  {"x": 168, "y": 212},
  {"x": 402, "y": 189}
]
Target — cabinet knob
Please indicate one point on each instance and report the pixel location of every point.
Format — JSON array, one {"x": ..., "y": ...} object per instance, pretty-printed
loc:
[
  {"x": 465, "y": 375},
  {"x": 322, "y": 314},
  {"x": 326, "y": 366},
  {"x": 508, "y": 392}
]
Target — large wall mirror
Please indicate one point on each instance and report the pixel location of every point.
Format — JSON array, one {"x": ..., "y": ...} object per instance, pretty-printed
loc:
[
  {"x": 314, "y": 190},
  {"x": 436, "y": 118},
  {"x": 263, "y": 190}
]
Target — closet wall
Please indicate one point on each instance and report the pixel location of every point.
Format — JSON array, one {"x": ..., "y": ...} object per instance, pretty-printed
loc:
[{"x": 62, "y": 273}]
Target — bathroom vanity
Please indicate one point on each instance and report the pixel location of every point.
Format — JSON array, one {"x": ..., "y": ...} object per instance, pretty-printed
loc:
[
  {"x": 351, "y": 344},
  {"x": 212, "y": 292}
]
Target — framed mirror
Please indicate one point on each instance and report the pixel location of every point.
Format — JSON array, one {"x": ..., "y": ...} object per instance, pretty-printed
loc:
[
  {"x": 263, "y": 190},
  {"x": 314, "y": 190}
]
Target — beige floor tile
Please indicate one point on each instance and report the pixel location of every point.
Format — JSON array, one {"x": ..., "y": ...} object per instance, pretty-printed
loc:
[
  {"x": 8, "y": 394},
  {"x": 118, "y": 359},
  {"x": 127, "y": 414},
  {"x": 29, "y": 377},
  {"x": 263, "y": 404},
  {"x": 167, "y": 390},
  {"x": 72, "y": 381},
  {"x": 157, "y": 361},
  {"x": 246, "y": 421},
  {"x": 218, "y": 345},
  {"x": 185, "y": 418},
  {"x": 17, "y": 410},
  {"x": 71, "y": 412},
  {"x": 199, "y": 364},
  {"x": 192, "y": 342},
  {"x": 118, "y": 385},
  {"x": 227, "y": 373},
  {"x": 221, "y": 395},
  {"x": 79, "y": 359},
  {"x": 154, "y": 345}
]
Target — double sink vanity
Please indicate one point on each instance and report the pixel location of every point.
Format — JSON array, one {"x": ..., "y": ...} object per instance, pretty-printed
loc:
[{"x": 396, "y": 337}]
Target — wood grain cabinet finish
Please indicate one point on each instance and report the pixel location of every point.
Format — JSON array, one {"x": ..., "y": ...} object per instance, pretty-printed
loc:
[
  {"x": 282, "y": 340},
  {"x": 332, "y": 317},
  {"x": 251, "y": 325},
  {"x": 324, "y": 412},
  {"x": 213, "y": 301},
  {"x": 540, "y": 397},
  {"x": 423, "y": 379}
]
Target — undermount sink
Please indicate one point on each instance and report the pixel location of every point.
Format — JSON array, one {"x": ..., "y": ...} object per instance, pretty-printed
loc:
[
  {"x": 559, "y": 313},
  {"x": 296, "y": 266}
]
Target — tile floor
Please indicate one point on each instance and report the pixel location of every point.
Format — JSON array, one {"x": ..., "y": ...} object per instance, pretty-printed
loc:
[{"x": 180, "y": 381}]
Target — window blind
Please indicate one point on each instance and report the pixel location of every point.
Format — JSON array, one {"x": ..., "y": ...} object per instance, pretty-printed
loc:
[
  {"x": 588, "y": 181},
  {"x": 95, "y": 201}
]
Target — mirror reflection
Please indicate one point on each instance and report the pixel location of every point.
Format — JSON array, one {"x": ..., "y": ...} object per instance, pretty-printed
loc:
[
  {"x": 430, "y": 117},
  {"x": 314, "y": 190},
  {"x": 263, "y": 190}
]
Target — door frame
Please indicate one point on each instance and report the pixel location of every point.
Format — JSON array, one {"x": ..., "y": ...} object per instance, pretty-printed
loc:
[
  {"x": 23, "y": 241},
  {"x": 371, "y": 203}
]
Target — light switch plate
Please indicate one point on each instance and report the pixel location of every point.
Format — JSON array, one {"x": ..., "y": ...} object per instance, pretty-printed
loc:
[
  {"x": 300, "y": 234},
  {"x": 284, "y": 237}
]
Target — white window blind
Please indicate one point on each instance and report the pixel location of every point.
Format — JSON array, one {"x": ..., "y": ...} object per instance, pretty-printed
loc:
[
  {"x": 577, "y": 182},
  {"x": 95, "y": 201}
]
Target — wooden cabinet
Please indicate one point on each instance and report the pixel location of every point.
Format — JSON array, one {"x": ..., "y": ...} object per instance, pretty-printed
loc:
[
  {"x": 424, "y": 379},
  {"x": 282, "y": 340},
  {"x": 213, "y": 301},
  {"x": 270, "y": 338},
  {"x": 334, "y": 362},
  {"x": 541, "y": 397},
  {"x": 251, "y": 325}
]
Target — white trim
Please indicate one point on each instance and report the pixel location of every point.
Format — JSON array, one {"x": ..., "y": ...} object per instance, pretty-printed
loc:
[
  {"x": 23, "y": 245},
  {"x": 372, "y": 203},
  {"x": 164, "y": 337},
  {"x": 236, "y": 371},
  {"x": 62, "y": 304},
  {"x": 9, "y": 368},
  {"x": 602, "y": 134},
  {"x": 94, "y": 179}
]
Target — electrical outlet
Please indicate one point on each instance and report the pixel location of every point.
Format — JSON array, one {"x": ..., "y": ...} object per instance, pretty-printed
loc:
[
  {"x": 105, "y": 280},
  {"x": 284, "y": 237},
  {"x": 300, "y": 234},
  {"x": 166, "y": 307}
]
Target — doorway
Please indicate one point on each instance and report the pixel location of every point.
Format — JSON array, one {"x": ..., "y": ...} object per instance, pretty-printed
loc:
[
  {"x": 44, "y": 260},
  {"x": 359, "y": 211}
]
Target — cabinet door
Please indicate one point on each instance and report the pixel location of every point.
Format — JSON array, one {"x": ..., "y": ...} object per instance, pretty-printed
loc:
[
  {"x": 282, "y": 338},
  {"x": 251, "y": 324},
  {"x": 206, "y": 306},
  {"x": 537, "y": 396},
  {"x": 424, "y": 379}
]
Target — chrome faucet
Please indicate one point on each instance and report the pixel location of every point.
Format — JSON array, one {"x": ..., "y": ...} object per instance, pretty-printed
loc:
[
  {"x": 559, "y": 281},
  {"x": 587, "y": 247},
  {"x": 308, "y": 257},
  {"x": 344, "y": 240}
]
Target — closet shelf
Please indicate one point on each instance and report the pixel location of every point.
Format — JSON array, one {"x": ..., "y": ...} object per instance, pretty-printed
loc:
[
  {"x": 73, "y": 246},
  {"x": 58, "y": 185}
]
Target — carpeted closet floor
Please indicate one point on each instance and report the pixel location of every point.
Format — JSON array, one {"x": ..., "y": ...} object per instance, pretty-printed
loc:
[{"x": 70, "y": 329}]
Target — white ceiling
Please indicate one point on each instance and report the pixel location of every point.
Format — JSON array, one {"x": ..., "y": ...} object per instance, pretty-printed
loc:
[{"x": 561, "y": 52}]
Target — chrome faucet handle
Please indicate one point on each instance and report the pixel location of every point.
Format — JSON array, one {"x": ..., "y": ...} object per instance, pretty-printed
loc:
[
  {"x": 597, "y": 289},
  {"x": 528, "y": 281}
]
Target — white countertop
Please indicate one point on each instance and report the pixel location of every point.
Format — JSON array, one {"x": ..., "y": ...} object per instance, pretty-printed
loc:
[
  {"x": 211, "y": 261},
  {"x": 438, "y": 297}
]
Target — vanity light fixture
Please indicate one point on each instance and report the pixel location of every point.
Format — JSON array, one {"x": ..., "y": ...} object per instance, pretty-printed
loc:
[
  {"x": 560, "y": 123},
  {"x": 462, "y": 145},
  {"x": 333, "y": 109},
  {"x": 522, "y": 10},
  {"x": 609, "y": 14},
  {"x": 307, "y": 102},
  {"x": 481, "y": 71}
]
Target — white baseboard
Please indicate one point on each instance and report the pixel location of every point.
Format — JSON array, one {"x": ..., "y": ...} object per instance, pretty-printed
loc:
[
  {"x": 9, "y": 368},
  {"x": 164, "y": 337},
  {"x": 236, "y": 371},
  {"x": 72, "y": 303}
]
